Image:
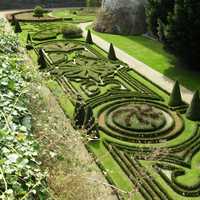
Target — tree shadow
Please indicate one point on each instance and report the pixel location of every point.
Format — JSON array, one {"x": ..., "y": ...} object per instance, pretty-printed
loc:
[{"x": 186, "y": 75}]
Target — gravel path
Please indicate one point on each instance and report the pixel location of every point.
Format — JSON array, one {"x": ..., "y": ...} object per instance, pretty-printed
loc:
[{"x": 154, "y": 76}]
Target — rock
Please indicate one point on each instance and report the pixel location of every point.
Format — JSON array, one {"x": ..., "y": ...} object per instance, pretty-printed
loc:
[{"x": 120, "y": 17}]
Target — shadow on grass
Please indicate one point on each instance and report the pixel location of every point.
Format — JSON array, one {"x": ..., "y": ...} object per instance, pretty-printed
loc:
[{"x": 185, "y": 75}]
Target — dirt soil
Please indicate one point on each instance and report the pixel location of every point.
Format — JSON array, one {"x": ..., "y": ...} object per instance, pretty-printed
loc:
[{"x": 73, "y": 174}]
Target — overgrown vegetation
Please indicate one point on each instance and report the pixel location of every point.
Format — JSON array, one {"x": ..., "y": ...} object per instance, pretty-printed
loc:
[
  {"x": 20, "y": 173},
  {"x": 177, "y": 23}
]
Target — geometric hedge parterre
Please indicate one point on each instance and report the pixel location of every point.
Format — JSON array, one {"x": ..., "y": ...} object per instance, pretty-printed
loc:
[{"x": 154, "y": 144}]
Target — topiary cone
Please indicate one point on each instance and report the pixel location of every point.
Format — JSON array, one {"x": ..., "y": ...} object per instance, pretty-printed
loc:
[
  {"x": 28, "y": 38},
  {"x": 17, "y": 27},
  {"x": 175, "y": 97},
  {"x": 111, "y": 53},
  {"x": 193, "y": 111},
  {"x": 89, "y": 38},
  {"x": 13, "y": 20}
]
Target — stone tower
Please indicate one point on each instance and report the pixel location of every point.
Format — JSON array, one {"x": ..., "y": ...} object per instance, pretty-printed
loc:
[{"x": 125, "y": 17}]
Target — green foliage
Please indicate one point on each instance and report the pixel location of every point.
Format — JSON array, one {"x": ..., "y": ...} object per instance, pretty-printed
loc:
[
  {"x": 193, "y": 112},
  {"x": 17, "y": 27},
  {"x": 89, "y": 118},
  {"x": 111, "y": 53},
  {"x": 38, "y": 11},
  {"x": 8, "y": 43},
  {"x": 20, "y": 173},
  {"x": 175, "y": 96},
  {"x": 71, "y": 31},
  {"x": 158, "y": 10},
  {"x": 28, "y": 40},
  {"x": 182, "y": 32},
  {"x": 41, "y": 59},
  {"x": 79, "y": 115},
  {"x": 13, "y": 20},
  {"x": 93, "y": 3},
  {"x": 89, "y": 38}
]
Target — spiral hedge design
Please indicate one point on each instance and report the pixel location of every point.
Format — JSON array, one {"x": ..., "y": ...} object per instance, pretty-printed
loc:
[{"x": 155, "y": 146}]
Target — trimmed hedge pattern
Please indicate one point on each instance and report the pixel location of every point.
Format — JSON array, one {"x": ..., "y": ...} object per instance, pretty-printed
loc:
[{"x": 106, "y": 86}]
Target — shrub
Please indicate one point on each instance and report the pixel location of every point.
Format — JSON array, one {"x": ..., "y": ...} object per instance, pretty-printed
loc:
[
  {"x": 182, "y": 39},
  {"x": 13, "y": 20},
  {"x": 79, "y": 113},
  {"x": 17, "y": 27},
  {"x": 175, "y": 97},
  {"x": 28, "y": 38},
  {"x": 89, "y": 38},
  {"x": 158, "y": 10},
  {"x": 193, "y": 112},
  {"x": 38, "y": 11},
  {"x": 111, "y": 54},
  {"x": 41, "y": 59},
  {"x": 71, "y": 31},
  {"x": 93, "y": 3}
]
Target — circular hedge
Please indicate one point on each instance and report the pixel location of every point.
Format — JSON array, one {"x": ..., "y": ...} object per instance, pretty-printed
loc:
[{"x": 138, "y": 117}]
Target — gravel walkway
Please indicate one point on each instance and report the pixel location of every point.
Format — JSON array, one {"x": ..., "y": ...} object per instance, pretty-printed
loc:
[{"x": 154, "y": 76}]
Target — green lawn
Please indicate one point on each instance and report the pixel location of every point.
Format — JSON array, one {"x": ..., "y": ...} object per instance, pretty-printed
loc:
[
  {"x": 152, "y": 53},
  {"x": 78, "y": 16}
]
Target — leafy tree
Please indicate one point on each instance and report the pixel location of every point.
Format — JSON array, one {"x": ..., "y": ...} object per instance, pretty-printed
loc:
[
  {"x": 89, "y": 38},
  {"x": 38, "y": 11},
  {"x": 183, "y": 32},
  {"x": 158, "y": 9},
  {"x": 193, "y": 111},
  {"x": 175, "y": 97},
  {"x": 41, "y": 59},
  {"x": 111, "y": 53},
  {"x": 17, "y": 27}
]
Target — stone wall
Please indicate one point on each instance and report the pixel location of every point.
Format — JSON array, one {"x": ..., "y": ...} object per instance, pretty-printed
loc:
[
  {"x": 26, "y": 4},
  {"x": 125, "y": 17}
]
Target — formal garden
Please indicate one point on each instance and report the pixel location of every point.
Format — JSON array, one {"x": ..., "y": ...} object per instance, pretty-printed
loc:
[{"x": 145, "y": 140}]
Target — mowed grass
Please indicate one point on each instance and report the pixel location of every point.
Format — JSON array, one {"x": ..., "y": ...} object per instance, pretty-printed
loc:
[
  {"x": 151, "y": 53},
  {"x": 78, "y": 15}
]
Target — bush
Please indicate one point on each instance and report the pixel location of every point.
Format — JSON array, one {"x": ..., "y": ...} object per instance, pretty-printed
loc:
[
  {"x": 175, "y": 97},
  {"x": 182, "y": 32},
  {"x": 38, "y": 11},
  {"x": 71, "y": 31},
  {"x": 111, "y": 53},
  {"x": 158, "y": 10},
  {"x": 194, "y": 108},
  {"x": 89, "y": 38},
  {"x": 17, "y": 27},
  {"x": 93, "y": 3}
]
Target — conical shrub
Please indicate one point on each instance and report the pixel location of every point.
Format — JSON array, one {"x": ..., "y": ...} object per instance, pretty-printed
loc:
[
  {"x": 175, "y": 97},
  {"x": 17, "y": 27},
  {"x": 193, "y": 111},
  {"x": 28, "y": 40},
  {"x": 111, "y": 53},
  {"x": 89, "y": 38},
  {"x": 13, "y": 20}
]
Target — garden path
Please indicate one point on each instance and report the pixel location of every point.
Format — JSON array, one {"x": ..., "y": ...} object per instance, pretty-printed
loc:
[{"x": 154, "y": 76}]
